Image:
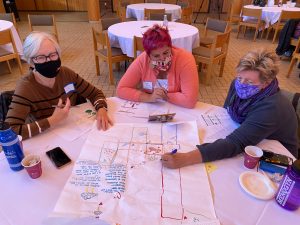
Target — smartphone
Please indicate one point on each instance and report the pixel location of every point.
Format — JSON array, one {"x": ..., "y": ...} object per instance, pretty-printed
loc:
[
  {"x": 275, "y": 158},
  {"x": 58, "y": 157}
]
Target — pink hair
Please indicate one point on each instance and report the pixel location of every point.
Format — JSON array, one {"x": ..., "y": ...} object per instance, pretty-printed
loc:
[{"x": 156, "y": 37}]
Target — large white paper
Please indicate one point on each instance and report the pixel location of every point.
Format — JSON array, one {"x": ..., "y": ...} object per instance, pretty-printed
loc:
[
  {"x": 119, "y": 178},
  {"x": 79, "y": 121}
]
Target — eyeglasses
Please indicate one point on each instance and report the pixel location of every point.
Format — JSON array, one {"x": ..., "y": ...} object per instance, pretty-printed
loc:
[{"x": 43, "y": 58}]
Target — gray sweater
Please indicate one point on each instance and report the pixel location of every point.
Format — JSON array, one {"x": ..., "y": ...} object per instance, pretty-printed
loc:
[{"x": 271, "y": 118}]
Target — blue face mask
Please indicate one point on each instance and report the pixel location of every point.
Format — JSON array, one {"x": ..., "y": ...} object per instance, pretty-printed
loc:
[{"x": 245, "y": 91}]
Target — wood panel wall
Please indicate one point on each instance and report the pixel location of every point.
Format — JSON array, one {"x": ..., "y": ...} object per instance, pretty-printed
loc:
[
  {"x": 51, "y": 5},
  {"x": 2, "y": 9},
  {"x": 81, "y": 5}
]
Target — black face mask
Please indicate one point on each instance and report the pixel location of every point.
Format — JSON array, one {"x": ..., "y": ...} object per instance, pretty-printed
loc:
[{"x": 48, "y": 69}]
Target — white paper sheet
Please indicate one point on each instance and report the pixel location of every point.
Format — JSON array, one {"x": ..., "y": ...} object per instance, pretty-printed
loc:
[
  {"x": 79, "y": 121},
  {"x": 119, "y": 178}
]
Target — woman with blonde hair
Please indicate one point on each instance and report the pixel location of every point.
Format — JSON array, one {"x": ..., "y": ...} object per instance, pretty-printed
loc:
[{"x": 255, "y": 102}]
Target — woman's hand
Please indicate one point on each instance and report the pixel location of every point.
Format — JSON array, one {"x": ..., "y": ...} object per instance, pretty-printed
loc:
[
  {"x": 103, "y": 121},
  {"x": 178, "y": 160},
  {"x": 60, "y": 113},
  {"x": 158, "y": 93}
]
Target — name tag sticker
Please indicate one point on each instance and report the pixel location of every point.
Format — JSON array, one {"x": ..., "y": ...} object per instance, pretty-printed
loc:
[
  {"x": 69, "y": 88},
  {"x": 147, "y": 85}
]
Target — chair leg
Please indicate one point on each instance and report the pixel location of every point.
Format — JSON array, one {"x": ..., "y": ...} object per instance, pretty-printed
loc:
[
  {"x": 268, "y": 32},
  {"x": 97, "y": 66},
  {"x": 275, "y": 35},
  {"x": 209, "y": 74},
  {"x": 245, "y": 29},
  {"x": 8, "y": 65},
  {"x": 237, "y": 36},
  {"x": 20, "y": 65},
  {"x": 255, "y": 35},
  {"x": 110, "y": 70},
  {"x": 291, "y": 66},
  {"x": 222, "y": 67}
]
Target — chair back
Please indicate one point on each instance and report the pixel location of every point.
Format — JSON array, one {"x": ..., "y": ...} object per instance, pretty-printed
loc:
[
  {"x": 286, "y": 15},
  {"x": 107, "y": 22},
  {"x": 222, "y": 41},
  {"x": 251, "y": 12},
  {"x": 8, "y": 17},
  {"x": 160, "y": 16},
  {"x": 6, "y": 38},
  {"x": 147, "y": 12},
  {"x": 101, "y": 41},
  {"x": 43, "y": 20},
  {"x": 186, "y": 15},
  {"x": 235, "y": 8},
  {"x": 121, "y": 12},
  {"x": 220, "y": 26},
  {"x": 137, "y": 45}
]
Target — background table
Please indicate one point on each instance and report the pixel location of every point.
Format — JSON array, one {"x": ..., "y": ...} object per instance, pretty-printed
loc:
[
  {"x": 9, "y": 25},
  {"x": 137, "y": 10},
  {"x": 182, "y": 35},
  {"x": 28, "y": 201},
  {"x": 271, "y": 14}
]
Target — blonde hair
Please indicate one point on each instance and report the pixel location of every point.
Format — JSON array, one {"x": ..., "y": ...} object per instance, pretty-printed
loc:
[
  {"x": 263, "y": 61},
  {"x": 33, "y": 43}
]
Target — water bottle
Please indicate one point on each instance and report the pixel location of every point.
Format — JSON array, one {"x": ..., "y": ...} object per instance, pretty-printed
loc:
[
  {"x": 165, "y": 23},
  {"x": 11, "y": 145},
  {"x": 288, "y": 195}
]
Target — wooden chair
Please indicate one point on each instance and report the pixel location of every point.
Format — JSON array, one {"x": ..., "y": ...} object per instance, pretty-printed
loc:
[
  {"x": 103, "y": 50},
  {"x": 7, "y": 38},
  {"x": 213, "y": 26},
  {"x": 284, "y": 16},
  {"x": 211, "y": 56},
  {"x": 186, "y": 15},
  {"x": 107, "y": 22},
  {"x": 147, "y": 12},
  {"x": 9, "y": 17},
  {"x": 160, "y": 16},
  {"x": 295, "y": 58},
  {"x": 121, "y": 12},
  {"x": 235, "y": 7},
  {"x": 43, "y": 21},
  {"x": 137, "y": 45},
  {"x": 254, "y": 22}
]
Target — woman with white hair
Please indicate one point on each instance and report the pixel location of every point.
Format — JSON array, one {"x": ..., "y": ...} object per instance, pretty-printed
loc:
[
  {"x": 49, "y": 90},
  {"x": 255, "y": 102}
]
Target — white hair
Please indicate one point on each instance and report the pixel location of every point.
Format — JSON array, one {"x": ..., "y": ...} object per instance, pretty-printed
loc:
[{"x": 33, "y": 43}]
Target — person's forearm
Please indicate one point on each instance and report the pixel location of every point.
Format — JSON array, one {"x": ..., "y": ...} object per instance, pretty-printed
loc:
[{"x": 194, "y": 157}]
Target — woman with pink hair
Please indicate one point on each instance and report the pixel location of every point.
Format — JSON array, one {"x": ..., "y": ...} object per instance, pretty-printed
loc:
[{"x": 162, "y": 71}]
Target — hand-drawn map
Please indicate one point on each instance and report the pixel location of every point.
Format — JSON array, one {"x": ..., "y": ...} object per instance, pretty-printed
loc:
[{"x": 119, "y": 178}]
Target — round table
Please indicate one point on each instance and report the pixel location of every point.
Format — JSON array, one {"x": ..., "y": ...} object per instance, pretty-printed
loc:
[
  {"x": 4, "y": 25},
  {"x": 271, "y": 14},
  {"x": 137, "y": 10},
  {"x": 121, "y": 34}
]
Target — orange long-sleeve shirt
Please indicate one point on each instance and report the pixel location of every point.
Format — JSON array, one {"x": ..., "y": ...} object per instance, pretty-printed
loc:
[{"x": 183, "y": 84}]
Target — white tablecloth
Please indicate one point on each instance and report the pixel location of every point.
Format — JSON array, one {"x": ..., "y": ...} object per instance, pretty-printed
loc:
[
  {"x": 9, "y": 25},
  {"x": 137, "y": 10},
  {"x": 182, "y": 35},
  {"x": 271, "y": 14},
  {"x": 27, "y": 201}
]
